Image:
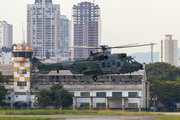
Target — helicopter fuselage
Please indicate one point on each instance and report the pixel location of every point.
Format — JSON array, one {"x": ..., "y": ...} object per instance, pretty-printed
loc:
[{"x": 96, "y": 64}]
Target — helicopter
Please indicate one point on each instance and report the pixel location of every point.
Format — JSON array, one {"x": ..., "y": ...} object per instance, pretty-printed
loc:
[{"x": 99, "y": 63}]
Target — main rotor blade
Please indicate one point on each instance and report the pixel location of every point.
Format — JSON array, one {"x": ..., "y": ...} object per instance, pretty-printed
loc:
[
  {"x": 89, "y": 47},
  {"x": 104, "y": 48},
  {"x": 128, "y": 46},
  {"x": 83, "y": 47}
]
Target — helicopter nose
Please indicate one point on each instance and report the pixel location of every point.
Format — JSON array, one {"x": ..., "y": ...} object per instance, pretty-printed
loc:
[{"x": 141, "y": 66}]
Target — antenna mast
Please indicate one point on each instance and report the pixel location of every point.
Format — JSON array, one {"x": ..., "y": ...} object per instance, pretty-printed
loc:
[{"x": 152, "y": 52}]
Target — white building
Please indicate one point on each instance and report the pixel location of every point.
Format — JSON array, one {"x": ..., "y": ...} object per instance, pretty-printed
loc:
[
  {"x": 43, "y": 27},
  {"x": 109, "y": 92},
  {"x": 5, "y": 58},
  {"x": 168, "y": 50},
  {"x": 65, "y": 34},
  {"x": 6, "y": 34}
]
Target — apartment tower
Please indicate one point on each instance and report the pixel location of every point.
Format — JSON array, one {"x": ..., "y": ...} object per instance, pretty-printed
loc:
[
  {"x": 6, "y": 34},
  {"x": 43, "y": 27},
  {"x": 85, "y": 28},
  {"x": 168, "y": 51},
  {"x": 65, "y": 34}
]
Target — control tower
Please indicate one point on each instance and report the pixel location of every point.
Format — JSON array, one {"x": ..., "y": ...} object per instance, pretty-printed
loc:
[{"x": 21, "y": 56}]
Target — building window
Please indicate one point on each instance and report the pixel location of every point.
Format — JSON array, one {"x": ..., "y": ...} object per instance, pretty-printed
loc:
[
  {"x": 19, "y": 93},
  {"x": 133, "y": 105},
  {"x": 21, "y": 71},
  {"x": 132, "y": 94},
  {"x": 20, "y": 83},
  {"x": 116, "y": 94},
  {"x": 100, "y": 94},
  {"x": 100, "y": 105},
  {"x": 85, "y": 94}
]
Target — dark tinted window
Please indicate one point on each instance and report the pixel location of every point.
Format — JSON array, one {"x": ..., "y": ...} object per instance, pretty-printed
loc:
[
  {"x": 83, "y": 66},
  {"x": 94, "y": 64},
  {"x": 23, "y": 54},
  {"x": 113, "y": 63},
  {"x": 21, "y": 71},
  {"x": 117, "y": 94},
  {"x": 103, "y": 65},
  {"x": 108, "y": 64},
  {"x": 101, "y": 94},
  {"x": 118, "y": 64},
  {"x": 20, "y": 83}
]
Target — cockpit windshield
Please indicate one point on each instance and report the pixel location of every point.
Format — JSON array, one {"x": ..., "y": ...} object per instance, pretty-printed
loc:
[{"x": 133, "y": 60}]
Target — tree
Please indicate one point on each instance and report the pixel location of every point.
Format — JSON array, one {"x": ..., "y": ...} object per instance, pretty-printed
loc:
[
  {"x": 43, "y": 98},
  {"x": 63, "y": 98},
  {"x": 165, "y": 82},
  {"x": 5, "y": 49},
  {"x": 57, "y": 94},
  {"x": 54, "y": 89},
  {"x": 3, "y": 90},
  {"x": 162, "y": 71}
]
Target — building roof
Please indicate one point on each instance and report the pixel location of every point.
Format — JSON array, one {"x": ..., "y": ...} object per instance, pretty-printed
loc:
[{"x": 7, "y": 70}]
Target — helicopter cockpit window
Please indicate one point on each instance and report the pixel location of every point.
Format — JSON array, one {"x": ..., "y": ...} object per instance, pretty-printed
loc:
[
  {"x": 118, "y": 64},
  {"x": 113, "y": 63},
  {"x": 133, "y": 61},
  {"x": 129, "y": 61},
  {"x": 108, "y": 64},
  {"x": 103, "y": 65},
  {"x": 84, "y": 67}
]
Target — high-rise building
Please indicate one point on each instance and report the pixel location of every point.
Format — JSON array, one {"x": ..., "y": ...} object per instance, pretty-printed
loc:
[
  {"x": 6, "y": 34},
  {"x": 65, "y": 34},
  {"x": 85, "y": 28},
  {"x": 43, "y": 27},
  {"x": 168, "y": 50}
]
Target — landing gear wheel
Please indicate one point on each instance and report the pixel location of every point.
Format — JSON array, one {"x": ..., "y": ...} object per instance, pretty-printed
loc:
[
  {"x": 130, "y": 76},
  {"x": 94, "y": 78}
]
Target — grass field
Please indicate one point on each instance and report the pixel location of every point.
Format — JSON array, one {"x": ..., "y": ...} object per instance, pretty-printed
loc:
[
  {"x": 72, "y": 112},
  {"x": 23, "y": 118},
  {"x": 169, "y": 118}
]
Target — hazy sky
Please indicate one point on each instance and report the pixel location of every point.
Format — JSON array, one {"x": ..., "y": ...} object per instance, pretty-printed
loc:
[{"x": 123, "y": 21}]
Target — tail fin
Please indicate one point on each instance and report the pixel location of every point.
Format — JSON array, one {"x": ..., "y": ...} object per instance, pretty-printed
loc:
[{"x": 36, "y": 62}]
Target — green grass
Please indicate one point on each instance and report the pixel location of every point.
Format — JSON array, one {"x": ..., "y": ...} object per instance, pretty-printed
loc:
[
  {"x": 22, "y": 118},
  {"x": 169, "y": 118},
  {"x": 72, "y": 112}
]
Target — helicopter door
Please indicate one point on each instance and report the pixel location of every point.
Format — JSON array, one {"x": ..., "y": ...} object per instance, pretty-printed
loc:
[{"x": 113, "y": 67}]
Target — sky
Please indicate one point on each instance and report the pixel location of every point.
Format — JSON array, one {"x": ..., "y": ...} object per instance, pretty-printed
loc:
[{"x": 123, "y": 21}]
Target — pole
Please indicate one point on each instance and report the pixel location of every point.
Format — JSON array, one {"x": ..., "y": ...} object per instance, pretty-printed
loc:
[
  {"x": 152, "y": 52},
  {"x": 154, "y": 104}
]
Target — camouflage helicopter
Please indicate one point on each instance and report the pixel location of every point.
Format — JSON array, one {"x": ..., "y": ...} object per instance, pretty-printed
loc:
[{"x": 99, "y": 63}]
